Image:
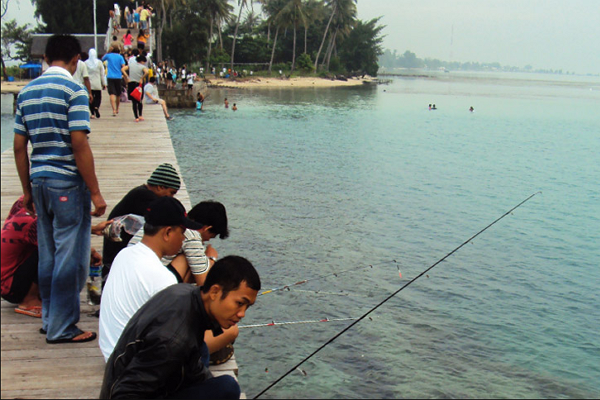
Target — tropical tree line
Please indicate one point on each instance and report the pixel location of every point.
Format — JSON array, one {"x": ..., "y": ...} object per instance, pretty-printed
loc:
[
  {"x": 390, "y": 60},
  {"x": 323, "y": 36}
]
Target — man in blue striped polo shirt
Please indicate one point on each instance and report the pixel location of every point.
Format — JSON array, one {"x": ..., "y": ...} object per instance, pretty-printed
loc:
[{"x": 53, "y": 114}]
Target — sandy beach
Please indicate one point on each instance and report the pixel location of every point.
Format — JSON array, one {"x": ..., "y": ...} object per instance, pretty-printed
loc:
[
  {"x": 248, "y": 82},
  {"x": 273, "y": 82}
]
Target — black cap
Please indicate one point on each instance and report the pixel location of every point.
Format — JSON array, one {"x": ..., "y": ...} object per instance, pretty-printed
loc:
[{"x": 168, "y": 211}]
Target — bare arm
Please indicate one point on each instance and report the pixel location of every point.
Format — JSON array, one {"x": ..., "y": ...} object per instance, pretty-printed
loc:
[
  {"x": 124, "y": 71},
  {"x": 86, "y": 82},
  {"x": 85, "y": 164},
  {"x": 22, "y": 163}
]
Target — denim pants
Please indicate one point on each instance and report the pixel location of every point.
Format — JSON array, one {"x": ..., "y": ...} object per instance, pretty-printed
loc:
[
  {"x": 221, "y": 387},
  {"x": 63, "y": 210}
]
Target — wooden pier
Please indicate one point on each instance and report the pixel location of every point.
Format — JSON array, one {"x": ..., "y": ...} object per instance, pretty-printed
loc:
[{"x": 125, "y": 154}]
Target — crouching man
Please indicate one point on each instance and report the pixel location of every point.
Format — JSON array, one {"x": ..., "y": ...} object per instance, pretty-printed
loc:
[{"x": 159, "y": 353}]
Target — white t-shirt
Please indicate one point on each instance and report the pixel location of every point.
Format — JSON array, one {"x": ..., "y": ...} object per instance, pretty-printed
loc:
[
  {"x": 136, "y": 275},
  {"x": 81, "y": 72}
]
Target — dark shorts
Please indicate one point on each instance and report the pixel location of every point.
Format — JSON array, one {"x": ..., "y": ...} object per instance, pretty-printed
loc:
[
  {"x": 174, "y": 272},
  {"x": 25, "y": 275},
  {"x": 114, "y": 86}
]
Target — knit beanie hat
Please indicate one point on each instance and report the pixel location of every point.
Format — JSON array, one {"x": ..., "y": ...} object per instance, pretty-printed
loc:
[{"x": 165, "y": 175}]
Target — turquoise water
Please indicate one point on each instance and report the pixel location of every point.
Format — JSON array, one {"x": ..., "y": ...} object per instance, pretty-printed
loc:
[
  {"x": 322, "y": 181},
  {"x": 319, "y": 181}
]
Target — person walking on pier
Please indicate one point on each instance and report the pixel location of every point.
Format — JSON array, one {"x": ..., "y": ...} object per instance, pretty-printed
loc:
[
  {"x": 97, "y": 82},
  {"x": 114, "y": 64},
  {"x": 53, "y": 114}
]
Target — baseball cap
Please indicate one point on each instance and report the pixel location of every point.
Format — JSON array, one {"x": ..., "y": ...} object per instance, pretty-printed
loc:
[{"x": 168, "y": 211}]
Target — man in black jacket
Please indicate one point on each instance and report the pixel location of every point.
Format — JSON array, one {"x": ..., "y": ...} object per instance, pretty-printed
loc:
[{"x": 159, "y": 353}]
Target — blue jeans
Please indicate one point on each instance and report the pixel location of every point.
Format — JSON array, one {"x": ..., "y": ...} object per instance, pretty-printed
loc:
[
  {"x": 63, "y": 224},
  {"x": 221, "y": 387}
]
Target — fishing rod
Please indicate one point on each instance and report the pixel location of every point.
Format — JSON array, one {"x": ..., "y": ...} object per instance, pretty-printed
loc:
[
  {"x": 284, "y": 287},
  {"x": 294, "y": 368},
  {"x": 314, "y": 321}
]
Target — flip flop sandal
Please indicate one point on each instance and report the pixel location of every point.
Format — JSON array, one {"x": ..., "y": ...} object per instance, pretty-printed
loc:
[
  {"x": 35, "y": 311},
  {"x": 73, "y": 340}
]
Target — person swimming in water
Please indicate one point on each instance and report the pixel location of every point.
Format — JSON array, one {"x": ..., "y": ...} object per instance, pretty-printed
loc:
[
  {"x": 226, "y": 103},
  {"x": 200, "y": 102},
  {"x": 234, "y": 107},
  {"x": 472, "y": 109}
]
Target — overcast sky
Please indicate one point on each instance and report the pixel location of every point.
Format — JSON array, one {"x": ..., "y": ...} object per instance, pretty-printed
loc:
[{"x": 546, "y": 34}]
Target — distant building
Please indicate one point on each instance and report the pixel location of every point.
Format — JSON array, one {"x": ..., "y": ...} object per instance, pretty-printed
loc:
[{"x": 38, "y": 46}]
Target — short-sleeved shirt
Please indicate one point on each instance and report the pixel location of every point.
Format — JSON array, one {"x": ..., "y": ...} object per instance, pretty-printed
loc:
[
  {"x": 19, "y": 241},
  {"x": 136, "y": 275},
  {"x": 81, "y": 72},
  {"x": 150, "y": 89},
  {"x": 192, "y": 248},
  {"x": 114, "y": 64},
  {"x": 49, "y": 108}
]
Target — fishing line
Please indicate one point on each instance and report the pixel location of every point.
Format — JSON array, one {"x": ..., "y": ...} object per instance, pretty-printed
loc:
[
  {"x": 390, "y": 296},
  {"x": 280, "y": 288}
]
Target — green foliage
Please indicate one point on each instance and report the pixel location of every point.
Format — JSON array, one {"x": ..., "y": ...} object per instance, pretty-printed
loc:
[
  {"x": 305, "y": 63},
  {"x": 13, "y": 70},
  {"x": 362, "y": 48},
  {"x": 219, "y": 56},
  {"x": 73, "y": 16},
  {"x": 187, "y": 40},
  {"x": 336, "y": 67},
  {"x": 16, "y": 41}
]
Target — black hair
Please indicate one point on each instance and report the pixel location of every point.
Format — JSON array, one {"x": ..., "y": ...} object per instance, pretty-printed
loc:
[
  {"x": 84, "y": 56},
  {"x": 62, "y": 48},
  {"x": 114, "y": 38},
  {"x": 152, "y": 79},
  {"x": 141, "y": 58},
  {"x": 229, "y": 273},
  {"x": 152, "y": 230},
  {"x": 135, "y": 52},
  {"x": 211, "y": 213}
]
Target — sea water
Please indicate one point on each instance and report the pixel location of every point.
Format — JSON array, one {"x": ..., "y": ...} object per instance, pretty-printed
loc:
[
  {"x": 322, "y": 181},
  {"x": 359, "y": 190}
]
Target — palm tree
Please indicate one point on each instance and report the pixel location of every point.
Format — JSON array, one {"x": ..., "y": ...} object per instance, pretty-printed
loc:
[
  {"x": 313, "y": 11},
  {"x": 336, "y": 7},
  {"x": 272, "y": 9},
  {"x": 344, "y": 21},
  {"x": 241, "y": 4},
  {"x": 293, "y": 14},
  {"x": 216, "y": 10}
]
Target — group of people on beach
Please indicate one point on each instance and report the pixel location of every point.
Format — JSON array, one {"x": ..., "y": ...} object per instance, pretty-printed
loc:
[{"x": 170, "y": 306}]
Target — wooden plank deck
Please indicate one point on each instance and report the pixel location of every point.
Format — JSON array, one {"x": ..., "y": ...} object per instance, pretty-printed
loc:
[{"x": 125, "y": 154}]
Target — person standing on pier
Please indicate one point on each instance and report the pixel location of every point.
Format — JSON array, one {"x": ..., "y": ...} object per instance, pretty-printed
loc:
[{"x": 53, "y": 114}]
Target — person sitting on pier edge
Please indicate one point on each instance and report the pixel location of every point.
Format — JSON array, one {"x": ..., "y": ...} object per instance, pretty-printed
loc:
[
  {"x": 193, "y": 261},
  {"x": 20, "y": 260},
  {"x": 166, "y": 358},
  {"x": 164, "y": 181},
  {"x": 151, "y": 97},
  {"x": 137, "y": 272}
]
